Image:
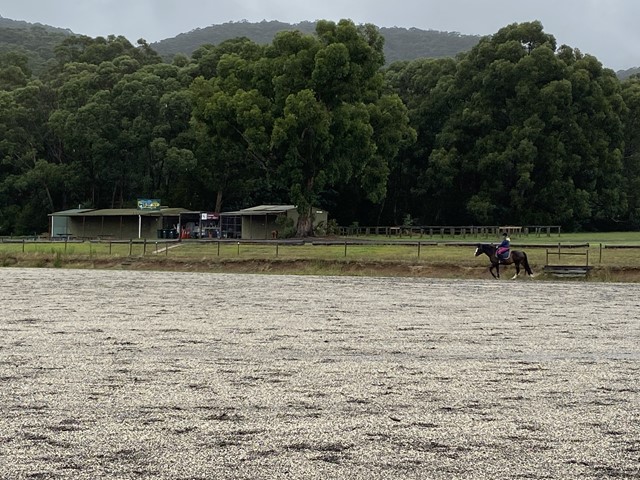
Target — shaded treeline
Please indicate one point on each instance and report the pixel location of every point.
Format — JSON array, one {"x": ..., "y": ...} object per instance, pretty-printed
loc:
[{"x": 517, "y": 130}]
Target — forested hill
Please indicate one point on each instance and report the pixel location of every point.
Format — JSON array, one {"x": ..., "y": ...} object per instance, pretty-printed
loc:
[
  {"x": 624, "y": 74},
  {"x": 400, "y": 43},
  {"x": 36, "y": 41}
]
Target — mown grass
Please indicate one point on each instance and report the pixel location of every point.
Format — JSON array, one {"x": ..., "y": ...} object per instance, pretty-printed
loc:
[{"x": 415, "y": 250}]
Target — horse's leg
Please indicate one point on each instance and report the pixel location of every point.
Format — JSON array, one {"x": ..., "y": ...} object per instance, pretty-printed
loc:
[
  {"x": 491, "y": 268},
  {"x": 517, "y": 274}
]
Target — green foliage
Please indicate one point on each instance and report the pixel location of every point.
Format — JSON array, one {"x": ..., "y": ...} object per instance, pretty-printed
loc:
[
  {"x": 524, "y": 136},
  {"x": 516, "y": 130},
  {"x": 332, "y": 227},
  {"x": 286, "y": 226},
  {"x": 34, "y": 43}
]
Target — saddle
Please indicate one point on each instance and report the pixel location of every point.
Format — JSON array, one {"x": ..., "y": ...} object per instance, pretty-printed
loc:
[{"x": 503, "y": 256}]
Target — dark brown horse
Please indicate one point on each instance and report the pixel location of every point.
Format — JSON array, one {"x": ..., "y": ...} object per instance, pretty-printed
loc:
[{"x": 516, "y": 258}]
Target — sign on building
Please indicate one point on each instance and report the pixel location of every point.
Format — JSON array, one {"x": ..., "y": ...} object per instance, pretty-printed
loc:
[{"x": 148, "y": 204}]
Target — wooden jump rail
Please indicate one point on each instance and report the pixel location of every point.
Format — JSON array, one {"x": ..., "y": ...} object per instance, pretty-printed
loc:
[{"x": 567, "y": 270}]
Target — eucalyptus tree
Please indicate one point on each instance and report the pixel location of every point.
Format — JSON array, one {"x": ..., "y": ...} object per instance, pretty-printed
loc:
[
  {"x": 122, "y": 120},
  {"x": 310, "y": 113},
  {"x": 84, "y": 49},
  {"x": 631, "y": 158},
  {"x": 232, "y": 119},
  {"x": 532, "y": 135},
  {"x": 14, "y": 70},
  {"x": 154, "y": 151},
  {"x": 424, "y": 87},
  {"x": 85, "y": 123},
  {"x": 30, "y": 185}
]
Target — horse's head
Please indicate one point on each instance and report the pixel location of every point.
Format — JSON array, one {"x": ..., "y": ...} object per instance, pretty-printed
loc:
[{"x": 484, "y": 248}]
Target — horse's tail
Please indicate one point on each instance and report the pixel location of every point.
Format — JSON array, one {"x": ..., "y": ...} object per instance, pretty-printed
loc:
[{"x": 527, "y": 268}]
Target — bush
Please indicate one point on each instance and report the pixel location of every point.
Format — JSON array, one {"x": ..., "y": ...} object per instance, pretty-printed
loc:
[{"x": 286, "y": 227}]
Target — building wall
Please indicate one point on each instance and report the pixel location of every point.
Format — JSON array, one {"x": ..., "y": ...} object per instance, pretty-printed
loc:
[
  {"x": 260, "y": 227},
  {"x": 122, "y": 228},
  {"x": 60, "y": 227}
]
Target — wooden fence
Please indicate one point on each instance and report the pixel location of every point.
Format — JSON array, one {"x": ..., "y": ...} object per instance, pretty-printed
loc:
[
  {"x": 148, "y": 246},
  {"x": 451, "y": 231}
]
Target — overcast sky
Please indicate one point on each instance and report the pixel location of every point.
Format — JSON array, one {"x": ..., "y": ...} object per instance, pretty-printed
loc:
[{"x": 607, "y": 29}]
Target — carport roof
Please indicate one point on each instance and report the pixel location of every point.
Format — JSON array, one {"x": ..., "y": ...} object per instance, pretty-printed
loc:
[
  {"x": 266, "y": 209},
  {"x": 69, "y": 213},
  {"x": 120, "y": 212}
]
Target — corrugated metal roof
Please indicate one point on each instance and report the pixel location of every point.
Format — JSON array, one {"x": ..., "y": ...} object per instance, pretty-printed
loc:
[
  {"x": 129, "y": 212},
  {"x": 70, "y": 212},
  {"x": 265, "y": 209},
  {"x": 120, "y": 212}
]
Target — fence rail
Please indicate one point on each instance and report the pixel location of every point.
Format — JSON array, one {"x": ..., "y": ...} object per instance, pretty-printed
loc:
[
  {"x": 265, "y": 248},
  {"x": 567, "y": 270},
  {"x": 449, "y": 230}
]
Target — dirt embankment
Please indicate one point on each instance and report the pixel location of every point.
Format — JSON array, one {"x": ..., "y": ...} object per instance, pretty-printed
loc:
[{"x": 304, "y": 267}]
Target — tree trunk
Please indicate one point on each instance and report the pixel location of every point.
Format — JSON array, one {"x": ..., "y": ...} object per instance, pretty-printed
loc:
[
  {"x": 305, "y": 224},
  {"x": 218, "y": 202}
]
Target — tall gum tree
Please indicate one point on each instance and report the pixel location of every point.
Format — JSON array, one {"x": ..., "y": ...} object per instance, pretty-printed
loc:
[
  {"x": 533, "y": 135},
  {"x": 232, "y": 119},
  {"x": 311, "y": 112},
  {"x": 341, "y": 126}
]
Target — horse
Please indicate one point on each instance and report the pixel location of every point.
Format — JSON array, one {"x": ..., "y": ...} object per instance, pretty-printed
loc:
[{"x": 516, "y": 257}]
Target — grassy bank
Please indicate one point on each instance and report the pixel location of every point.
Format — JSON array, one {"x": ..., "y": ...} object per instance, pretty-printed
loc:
[{"x": 395, "y": 257}]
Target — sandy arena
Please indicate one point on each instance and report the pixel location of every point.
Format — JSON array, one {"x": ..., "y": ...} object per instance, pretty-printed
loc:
[{"x": 155, "y": 375}]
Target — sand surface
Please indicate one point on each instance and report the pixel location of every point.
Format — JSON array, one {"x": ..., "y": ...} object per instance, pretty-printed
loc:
[{"x": 127, "y": 375}]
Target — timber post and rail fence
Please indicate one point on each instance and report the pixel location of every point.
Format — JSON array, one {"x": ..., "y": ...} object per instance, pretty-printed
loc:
[
  {"x": 572, "y": 257},
  {"x": 440, "y": 231}
]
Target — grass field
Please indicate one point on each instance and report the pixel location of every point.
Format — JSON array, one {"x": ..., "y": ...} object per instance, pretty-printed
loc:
[{"x": 611, "y": 249}]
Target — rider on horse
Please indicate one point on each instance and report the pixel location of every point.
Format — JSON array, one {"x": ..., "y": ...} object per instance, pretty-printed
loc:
[{"x": 502, "y": 252}]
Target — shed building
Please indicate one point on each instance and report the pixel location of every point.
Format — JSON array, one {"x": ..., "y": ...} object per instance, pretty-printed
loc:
[
  {"x": 121, "y": 223},
  {"x": 259, "y": 223}
]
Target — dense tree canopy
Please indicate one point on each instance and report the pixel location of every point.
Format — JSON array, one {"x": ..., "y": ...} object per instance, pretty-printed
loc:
[
  {"x": 300, "y": 113},
  {"x": 517, "y": 130}
]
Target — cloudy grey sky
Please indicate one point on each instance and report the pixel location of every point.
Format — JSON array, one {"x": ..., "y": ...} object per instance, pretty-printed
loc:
[{"x": 607, "y": 29}]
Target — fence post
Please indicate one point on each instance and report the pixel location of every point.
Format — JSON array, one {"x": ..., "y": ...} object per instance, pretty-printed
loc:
[
  {"x": 130, "y": 246},
  {"x": 276, "y": 249},
  {"x": 238, "y": 248},
  {"x": 345, "y": 248},
  {"x": 218, "y": 242},
  {"x": 65, "y": 244},
  {"x": 418, "y": 249},
  {"x": 110, "y": 243},
  {"x": 23, "y": 245},
  {"x": 144, "y": 247},
  {"x": 600, "y": 261}
]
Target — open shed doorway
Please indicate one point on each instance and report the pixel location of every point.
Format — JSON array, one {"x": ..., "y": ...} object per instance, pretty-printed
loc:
[{"x": 199, "y": 225}]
